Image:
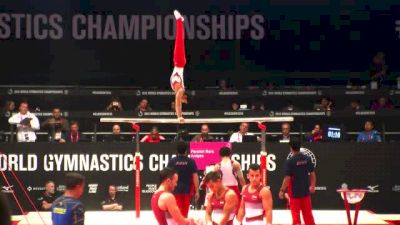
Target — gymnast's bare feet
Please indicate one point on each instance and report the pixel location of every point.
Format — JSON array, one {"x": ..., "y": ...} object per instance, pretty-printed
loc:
[{"x": 177, "y": 15}]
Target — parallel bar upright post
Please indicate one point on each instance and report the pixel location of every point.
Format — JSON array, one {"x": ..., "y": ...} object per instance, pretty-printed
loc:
[
  {"x": 137, "y": 175},
  {"x": 263, "y": 155}
]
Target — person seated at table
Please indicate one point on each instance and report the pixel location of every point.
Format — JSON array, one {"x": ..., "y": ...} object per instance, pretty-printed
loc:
[{"x": 153, "y": 137}]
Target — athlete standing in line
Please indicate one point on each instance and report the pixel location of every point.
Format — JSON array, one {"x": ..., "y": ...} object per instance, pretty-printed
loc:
[{"x": 256, "y": 204}]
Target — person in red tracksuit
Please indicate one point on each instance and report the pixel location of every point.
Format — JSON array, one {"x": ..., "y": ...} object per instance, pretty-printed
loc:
[{"x": 300, "y": 175}]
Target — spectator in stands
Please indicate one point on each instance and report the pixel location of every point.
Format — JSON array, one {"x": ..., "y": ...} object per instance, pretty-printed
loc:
[
  {"x": 143, "y": 106},
  {"x": 73, "y": 136},
  {"x": 235, "y": 106},
  {"x": 262, "y": 107},
  {"x": 378, "y": 68},
  {"x": 223, "y": 85},
  {"x": 153, "y": 137},
  {"x": 369, "y": 134},
  {"x": 254, "y": 85},
  {"x": 381, "y": 103},
  {"x": 27, "y": 123},
  {"x": 115, "y": 105},
  {"x": 55, "y": 125},
  {"x": 355, "y": 105},
  {"x": 111, "y": 203},
  {"x": 257, "y": 106},
  {"x": 44, "y": 202},
  {"x": 325, "y": 104},
  {"x": 316, "y": 134},
  {"x": 116, "y": 135},
  {"x": 9, "y": 108},
  {"x": 172, "y": 106},
  {"x": 289, "y": 107},
  {"x": 284, "y": 137},
  {"x": 238, "y": 136},
  {"x": 204, "y": 135},
  {"x": 355, "y": 83}
]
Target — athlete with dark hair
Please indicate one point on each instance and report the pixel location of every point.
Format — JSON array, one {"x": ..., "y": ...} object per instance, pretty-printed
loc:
[
  {"x": 163, "y": 202},
  {"x": 256, "y": 204}
]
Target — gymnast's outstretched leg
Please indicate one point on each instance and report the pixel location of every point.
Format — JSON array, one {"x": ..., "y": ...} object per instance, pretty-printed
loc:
[{"x": 177, "y": 82}]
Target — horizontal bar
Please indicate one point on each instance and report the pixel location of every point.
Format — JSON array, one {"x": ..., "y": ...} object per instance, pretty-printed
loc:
[{"x": 197, "y": 120}]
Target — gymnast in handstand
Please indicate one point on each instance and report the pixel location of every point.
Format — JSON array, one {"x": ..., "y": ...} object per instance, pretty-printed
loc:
[{"x": 177, "y": 83}]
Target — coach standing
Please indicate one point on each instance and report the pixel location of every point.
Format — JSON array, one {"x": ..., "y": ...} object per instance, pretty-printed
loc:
[
  {"x": 188, "y": 178},
  {"x": 300, "y": 175}
]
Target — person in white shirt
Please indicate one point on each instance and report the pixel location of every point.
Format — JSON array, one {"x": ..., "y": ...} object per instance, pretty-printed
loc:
[
  {"x": 238, "y": 136},
  {"x": 26, "y": 123}
]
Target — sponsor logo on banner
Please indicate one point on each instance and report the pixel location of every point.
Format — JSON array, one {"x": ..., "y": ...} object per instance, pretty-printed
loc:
[
  {"x": 93, "y": 188},
  {"x": 10, "y": 91},
  {"x": 156, "y": 93},
  {"x": 308, "y": 153},
  {"x": 165, "y": 113},
  {"x": 7, "y": 189},
  {"x": 66, "y": 92},
  {"x": 373, "y": 188},
  {"x": 397, "y": 27},
  {"x": 38, "y": 91},
  {"x": 354, "y": 92},
  {"x": 305, "y": 113},
  {"x": 205, "y": 153},
  {"x": 123, "y": 188},
  {"x": 233, "y": 113},
  {"x": 41, "y": 188},
  {"x": 264, "y": 93},
  {"x": 102, "y": 114},
  {"x": 288, "y": 93},
  {"x": 43, "y": 114},
  {"x": 365, "y": 113},
  {"x": 396, "y": 188},
  {"x": 321, "y": 188},
  {"x": 228, "y": 93},
  {"x": 138, "y": 93},
  {"x": 150, "y": 188},
  {"x": 101, "y": 92},
  {"x": 61, "y": 188}
]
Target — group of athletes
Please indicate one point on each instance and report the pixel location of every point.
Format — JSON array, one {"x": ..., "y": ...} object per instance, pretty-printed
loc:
[{"x": 225, "y": 204}]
